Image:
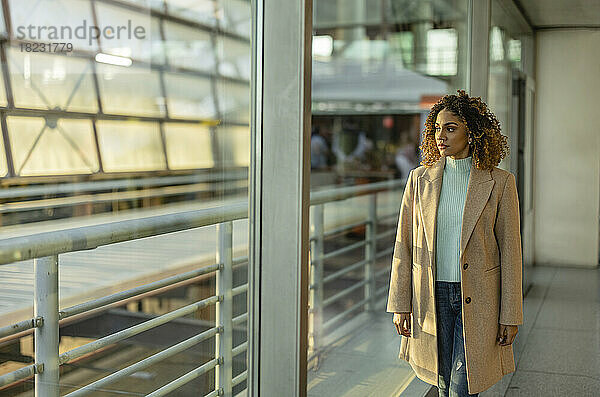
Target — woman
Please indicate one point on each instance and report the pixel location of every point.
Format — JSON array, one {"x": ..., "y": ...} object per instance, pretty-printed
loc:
[{"x": 456, "y": 281}]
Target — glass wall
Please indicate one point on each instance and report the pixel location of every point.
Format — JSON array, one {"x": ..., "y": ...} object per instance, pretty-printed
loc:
[
  {"x": 129, "y": 121},
  {"x": 378, "y": 67},
  {"x": 125, "y": 158},
  {"x": 509, "y": 37}
]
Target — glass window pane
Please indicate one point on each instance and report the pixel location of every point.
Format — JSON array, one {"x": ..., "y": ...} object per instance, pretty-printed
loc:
[
  {"x": 507, "y": 29},
  {"x": 62, "y": 21},
  {"x": 2, "y": 23},
  {"x": 441, "y": 52},
  {"x": 234, "y": 101},
  {"x": 188, "y": 146},
  {"x": 46, "y": 146},
  {"x": 234, "y": 58},
  {"x": 377, "y": 68},
  {"x": 202, "y": 11},
  {"x": 235, "y": 16},
  {"x": 44, "y": 81},
  {"x": 188, "y": 47},
  {"x": 148, "y": 48},
  {"x": 514, "y": 52},
  {"x": 131, "y": 93},
  {"x": 189, "y": 97},
  {"x": 499, "y": 78},
  {"x": 3, "y": 97},
  {"x": 234, "y": 142},
  {"x": 3, "y": 163},
  {"x": 94, "y": 143},
  {"x": 156, "y": 4},
  {"x": 130, "y": 146}
]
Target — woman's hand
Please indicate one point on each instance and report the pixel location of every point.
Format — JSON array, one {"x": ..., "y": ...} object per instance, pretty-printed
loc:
[
  {"x": 399, "y": 320},
  {"x": 506, "y": 334}
]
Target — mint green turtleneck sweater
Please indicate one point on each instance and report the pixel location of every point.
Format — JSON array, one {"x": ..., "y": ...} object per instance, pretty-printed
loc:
[{"x": 449, "y": 218}]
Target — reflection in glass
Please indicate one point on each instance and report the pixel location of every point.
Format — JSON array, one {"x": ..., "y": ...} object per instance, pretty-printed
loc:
[
  {"x": 499, "y": 78},
  {"x": 202, "y": 11},
  {"x": 130, "y": 145},
  {"x": 44, "y": 81},
  {"x": 122, "y": 92},
  {"x": 234, "y": 59},
  {"x": 147, "y": 49},
  {"x": 234, "y": 142},
  {"x": 43, "y": 146},
  {"x": 496, "y": 44},
  {"x": 3, "y": 99},
  {"x": 234, "y": 101},
  {"x": 156, "y": 4},
  {"x": 70, "y": 14},
  {"x": 90, "y": 143},
  {"x": 507, "y": 31},
  {"x": 514, "y": 52},
  {"x": 188, "y": 146},
  {"x": 2, "y": 24},
  {"x": 188, "y": 47},
  {"x": 442, "y": 52},
  {"x": 189, "y": 97},
  {"x": 377, "y": 69},
  {"x": 235, "y": 16},
  {"x": 3, "y": 164}
]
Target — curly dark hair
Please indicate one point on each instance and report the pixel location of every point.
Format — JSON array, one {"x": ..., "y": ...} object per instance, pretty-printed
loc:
[{"x": 489, "y": 146}]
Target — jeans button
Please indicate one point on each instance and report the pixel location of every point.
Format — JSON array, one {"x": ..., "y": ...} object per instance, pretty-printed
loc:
[{"x": 468, "y": 300}]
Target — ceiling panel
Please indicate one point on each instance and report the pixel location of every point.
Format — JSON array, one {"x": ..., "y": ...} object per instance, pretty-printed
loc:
[{"x": 561, "y": 13}]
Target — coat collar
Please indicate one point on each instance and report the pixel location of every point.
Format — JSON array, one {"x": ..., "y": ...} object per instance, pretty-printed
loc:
[{"x": 429, "y": 185}]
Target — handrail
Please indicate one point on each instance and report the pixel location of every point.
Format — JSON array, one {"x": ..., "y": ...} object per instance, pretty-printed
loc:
[
  {"x": 46, "y": 247},
  {"x": 125, "y": 195},
  {"x": 43, "y": 244},
  {"x": 336, "y": 194},
  {"x": 76, "y": 187},
  {"x": 80, "y": 238},
  {"x": 175, "y": 349}
]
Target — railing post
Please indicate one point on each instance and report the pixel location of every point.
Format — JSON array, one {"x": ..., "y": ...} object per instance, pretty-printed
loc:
[
  {"x": 224, "y": 308},
  {"x": 46, "y": 333},
  {"x": 315, "y": 299},
  {"x": 370, "y": 253}
]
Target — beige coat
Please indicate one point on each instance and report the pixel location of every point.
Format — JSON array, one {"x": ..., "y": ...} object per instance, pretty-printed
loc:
[{"x": 490, "y": 265}]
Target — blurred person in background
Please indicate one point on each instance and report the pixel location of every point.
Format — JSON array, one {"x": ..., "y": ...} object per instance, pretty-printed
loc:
[
  {"x": 351, "y": 146},
  {"x": 405, "y": 158},
  {"x": 319, "y": 149}
]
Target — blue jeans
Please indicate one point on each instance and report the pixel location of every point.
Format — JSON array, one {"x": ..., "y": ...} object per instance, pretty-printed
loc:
[{"x": 452, "y": 376}]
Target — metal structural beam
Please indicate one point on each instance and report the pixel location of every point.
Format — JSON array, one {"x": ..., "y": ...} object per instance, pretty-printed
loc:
[
  {"x": 279, "y": 196},
  {"x": 479, "y": 38}
]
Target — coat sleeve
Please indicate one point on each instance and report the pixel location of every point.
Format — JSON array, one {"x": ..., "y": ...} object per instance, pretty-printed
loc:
[
  {"x": 508, "y": 235},
  {"x": 400, "y": 294}
]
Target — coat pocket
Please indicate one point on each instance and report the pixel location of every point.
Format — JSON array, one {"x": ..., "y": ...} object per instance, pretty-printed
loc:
[{"x": 492, "y": 270}]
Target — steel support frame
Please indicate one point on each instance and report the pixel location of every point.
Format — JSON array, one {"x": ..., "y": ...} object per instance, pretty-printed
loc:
[
  {"x": 479, "y": 19},
  {"x": 279, "y": 197}
]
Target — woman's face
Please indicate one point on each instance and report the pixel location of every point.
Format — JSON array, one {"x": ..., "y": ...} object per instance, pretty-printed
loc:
[{"x": 451, "y": 132}]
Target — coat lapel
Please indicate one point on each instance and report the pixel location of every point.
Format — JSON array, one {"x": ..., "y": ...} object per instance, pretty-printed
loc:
[{"x": 430, "y": 185}]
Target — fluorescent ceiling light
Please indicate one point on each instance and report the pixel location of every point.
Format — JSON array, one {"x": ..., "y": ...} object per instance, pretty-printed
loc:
[
  {"x": 322, "y": 45},
  {"x": 113, "y": 59}
]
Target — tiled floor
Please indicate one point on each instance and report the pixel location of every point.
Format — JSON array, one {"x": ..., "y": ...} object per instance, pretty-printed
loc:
[
  {"x": 557, "y": 350},
  {"x": 363, "y": 363}
]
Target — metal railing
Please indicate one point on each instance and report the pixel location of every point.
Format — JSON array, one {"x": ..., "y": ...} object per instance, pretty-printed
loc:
[
  {"x": 319, "y": 329},
  {"x": 45, "y": 249},
  {"x": 51, "y": 197}
]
